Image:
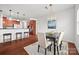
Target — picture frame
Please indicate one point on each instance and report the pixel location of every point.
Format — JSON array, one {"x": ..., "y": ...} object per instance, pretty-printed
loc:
[{"x": 52, "y": 24}]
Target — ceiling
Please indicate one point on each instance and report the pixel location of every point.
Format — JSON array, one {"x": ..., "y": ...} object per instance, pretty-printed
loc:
[{"x": 31, "y": 10}]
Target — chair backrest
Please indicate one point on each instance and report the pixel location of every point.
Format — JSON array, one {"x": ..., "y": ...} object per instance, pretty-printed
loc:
[
  {"x": 60, "y": 38},
  {"x": 42, "y": 40}
]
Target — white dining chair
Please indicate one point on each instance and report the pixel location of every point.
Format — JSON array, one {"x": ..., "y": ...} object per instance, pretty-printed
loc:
[
  {"x": 59, "y": 41},
  {"x": 42, "y": 42}
]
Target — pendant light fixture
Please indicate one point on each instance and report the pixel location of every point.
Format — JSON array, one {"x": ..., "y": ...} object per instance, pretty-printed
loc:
[
  {"x": 10, "y": 16},
  {"x": 23, "y": 16},
  {"x": 17, "y": 16},
  {"x": 10, "y": 11},
  {"x": 51, "y": 13},
  {"x": 1, "y": 12}
]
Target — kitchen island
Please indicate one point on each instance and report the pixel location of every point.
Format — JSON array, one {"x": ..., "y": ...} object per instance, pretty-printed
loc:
[{"x": 13, "y": 33}]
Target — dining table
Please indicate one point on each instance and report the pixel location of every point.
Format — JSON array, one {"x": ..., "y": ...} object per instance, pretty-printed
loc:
[{"x": 52, "y": 38}]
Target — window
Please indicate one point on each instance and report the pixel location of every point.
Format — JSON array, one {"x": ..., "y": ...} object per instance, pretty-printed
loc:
[{"x": 78, "y": 21}]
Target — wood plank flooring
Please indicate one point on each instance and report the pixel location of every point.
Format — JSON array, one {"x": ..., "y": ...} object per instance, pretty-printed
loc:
[
  {"x": 17, "y": 47},
  {"x": 72, "y": 49}
]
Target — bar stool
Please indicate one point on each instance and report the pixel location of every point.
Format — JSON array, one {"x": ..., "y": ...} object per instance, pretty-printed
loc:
[
  {"x": 19, "y": 33},
  {"x": 26, "y": 34},
  {"x": 8, "y": 39}
]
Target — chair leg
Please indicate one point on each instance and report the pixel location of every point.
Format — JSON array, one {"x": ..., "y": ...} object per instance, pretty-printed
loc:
[
  {"x": 38, "y": 47},
  {"x": 57, "y": 50},
  {"x": 45, "y": 51},
  {"x": 50, "y": 47},
  {"x": 61, "y": 45}
]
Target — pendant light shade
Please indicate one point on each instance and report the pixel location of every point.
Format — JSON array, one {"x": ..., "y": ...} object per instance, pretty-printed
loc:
[
  {"x": 51, "y": 13},
  {"x": 23, "y": 16},
  {"x": 1, "y": 12},
  {"x": 10, "y": 16},
  {"x": 18, "y": 16}
]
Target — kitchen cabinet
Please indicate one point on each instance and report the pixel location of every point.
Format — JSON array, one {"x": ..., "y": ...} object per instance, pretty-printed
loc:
[{"x": 32, "y": 26}]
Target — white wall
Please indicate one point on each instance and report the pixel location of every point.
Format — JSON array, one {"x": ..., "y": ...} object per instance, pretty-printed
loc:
[{"x": 65, "y": 22}]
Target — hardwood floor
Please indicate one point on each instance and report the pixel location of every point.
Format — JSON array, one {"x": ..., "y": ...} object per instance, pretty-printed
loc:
[
  {"x": 72, "y": 49},
  {"x": 17, "y": 47}
]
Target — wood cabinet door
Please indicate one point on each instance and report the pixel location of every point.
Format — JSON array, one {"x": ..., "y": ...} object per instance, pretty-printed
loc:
[
  {"x": 7, "y": 23},
  {"x": 32, "y": 24}
]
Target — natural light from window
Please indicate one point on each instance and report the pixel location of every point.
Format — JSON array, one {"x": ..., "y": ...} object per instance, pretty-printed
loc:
[{"x": 78, "y": 21}]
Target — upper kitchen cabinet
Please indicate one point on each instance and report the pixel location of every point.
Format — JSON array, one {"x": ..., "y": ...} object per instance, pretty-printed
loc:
[{"x": 7, "y": 23}]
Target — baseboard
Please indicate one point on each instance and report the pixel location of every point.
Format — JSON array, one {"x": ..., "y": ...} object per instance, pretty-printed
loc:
[{"x": 68, "y": 41}]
